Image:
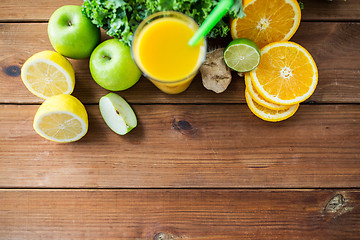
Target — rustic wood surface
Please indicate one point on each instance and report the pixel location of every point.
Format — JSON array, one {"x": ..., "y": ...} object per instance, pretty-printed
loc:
[
  {"x": 199, "y": 165},
  {"x": 188, "y": 146},
  {"x": 180, "y": 214},
  {"x": 335, "y": 49},
  {"x": 41, "y": 10}
]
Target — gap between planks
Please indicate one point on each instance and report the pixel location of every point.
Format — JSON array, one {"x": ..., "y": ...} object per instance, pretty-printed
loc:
[{"x": 267, "y": 189}]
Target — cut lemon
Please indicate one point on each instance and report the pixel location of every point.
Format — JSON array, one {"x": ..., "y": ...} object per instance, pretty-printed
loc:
[
  {"x": 242, "y": 55},
  {"x": 286, "y": 75},
  {"x": 268, "y": 114},
  {"x": 267, "y": 21},
  {"x": 61, "y": 118},
  {"x": 258, "y": 98},
  {"x": 48, "y": 73}
]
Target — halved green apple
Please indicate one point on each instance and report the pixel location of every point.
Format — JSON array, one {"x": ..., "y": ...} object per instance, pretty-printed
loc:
[{"x": 117, "y": 113}]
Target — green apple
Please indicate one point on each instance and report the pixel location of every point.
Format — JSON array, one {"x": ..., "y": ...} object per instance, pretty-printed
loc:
[
  {"x": 112, "y": 66},
  {"x": 117, "y": 113},
  {"x": 71, "y": 33}
]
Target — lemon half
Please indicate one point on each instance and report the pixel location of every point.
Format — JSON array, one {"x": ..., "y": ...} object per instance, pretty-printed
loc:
[
  {"x": 47, "y": 74},
  {"x": 61, "y": 118}
]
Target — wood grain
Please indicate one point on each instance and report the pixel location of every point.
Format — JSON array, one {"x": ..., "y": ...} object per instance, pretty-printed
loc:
[
  {"x": 179, "y": 146},
  {"x": 179, "y": 214},
  {"x": 315, "y": 10},
  {"x": 334, "y": 46},
  {"x": 325, "y": 10},
  {"x": 199, "y": 165},
  {"x": 39, "y": 10}
]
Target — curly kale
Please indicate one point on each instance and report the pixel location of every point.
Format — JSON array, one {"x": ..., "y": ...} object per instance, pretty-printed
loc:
[{"x": 121, "y": 17}]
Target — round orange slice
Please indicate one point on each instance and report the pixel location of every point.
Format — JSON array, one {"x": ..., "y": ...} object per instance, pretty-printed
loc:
[
  {"x": 267, "y": 21},
  {"x": 286, "y": 75},
  {"x": 268, "y": 114},
  {"x": 258, "y": 98}
]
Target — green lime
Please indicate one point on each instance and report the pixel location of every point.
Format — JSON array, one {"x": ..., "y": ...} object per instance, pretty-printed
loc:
[{"x": 242, "y": 55}]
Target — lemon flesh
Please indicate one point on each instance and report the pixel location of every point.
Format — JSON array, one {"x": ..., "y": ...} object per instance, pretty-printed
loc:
[
  {"x": 47, "y": 74},
  {"x": 61, "y": 118}
]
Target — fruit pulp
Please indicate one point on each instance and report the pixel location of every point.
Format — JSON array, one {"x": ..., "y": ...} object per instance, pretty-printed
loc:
[{"x": 162, "y": 52}]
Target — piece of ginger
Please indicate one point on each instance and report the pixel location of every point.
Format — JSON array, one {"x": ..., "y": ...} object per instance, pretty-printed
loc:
[{"x": 216, "y": 76}]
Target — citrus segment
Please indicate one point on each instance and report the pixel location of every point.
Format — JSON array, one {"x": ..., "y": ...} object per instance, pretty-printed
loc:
[
  {"x": 242, "y": 55},
  {"x": 258, "y": 98},
  {"x": 48, "y": 73},
  {"x": 61, "y": 118},
  {"x": 267, "y": 21},
  {"x": 60, "y": 126},
  {"x": 286, "y": 75},
  {"x": 268, "y": 114}
]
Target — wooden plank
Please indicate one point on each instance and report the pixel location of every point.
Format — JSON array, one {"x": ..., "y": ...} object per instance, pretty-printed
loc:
[
  {"x": 41, "y": 10},
  {"x": 179, "y": 146},
  {"x": 179, "y": 214},
  {"x": 335, "y": 48},
  {"x": 334, "y": 10}
]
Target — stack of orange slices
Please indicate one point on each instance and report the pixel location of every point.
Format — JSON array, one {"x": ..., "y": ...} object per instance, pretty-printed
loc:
[{"x": 287, "y": 74}]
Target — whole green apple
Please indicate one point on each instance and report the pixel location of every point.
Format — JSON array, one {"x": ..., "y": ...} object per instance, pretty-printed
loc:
[
  {"x": 112, "y": 66},
  {"x": 71, "y": 33}
]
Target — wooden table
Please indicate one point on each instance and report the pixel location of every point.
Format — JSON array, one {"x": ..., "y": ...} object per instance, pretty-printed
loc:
[{"x": 199, "y": 165}]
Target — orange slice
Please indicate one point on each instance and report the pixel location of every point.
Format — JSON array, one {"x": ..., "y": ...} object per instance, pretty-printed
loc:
[
  {"x": 268, "y": 114},
  {"x": 258, "y": 98},
  {"x": 267, "y": 21},
  {"x": 286, "y": 75}
]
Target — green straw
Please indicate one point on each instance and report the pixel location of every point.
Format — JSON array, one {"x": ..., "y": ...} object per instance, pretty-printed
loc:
[{"x": 214, "y": 17}]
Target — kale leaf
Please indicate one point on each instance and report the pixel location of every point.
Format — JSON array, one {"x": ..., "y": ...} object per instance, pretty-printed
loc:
[{"x": 121, "y": 17}]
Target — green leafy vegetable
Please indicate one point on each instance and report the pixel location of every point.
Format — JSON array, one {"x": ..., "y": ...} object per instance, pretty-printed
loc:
[
  {"x": 237, "y": 10},
  {"x": 121, "y": 17},
  {"x": 301, "y": 4}
]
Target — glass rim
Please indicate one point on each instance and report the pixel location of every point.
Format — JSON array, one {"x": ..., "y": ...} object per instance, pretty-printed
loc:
[{"x": 159, "y": 15}]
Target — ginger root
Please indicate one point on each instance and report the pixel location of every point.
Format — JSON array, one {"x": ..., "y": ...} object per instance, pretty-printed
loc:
[
  {"x": 241, "y": 74},
  {"x": 216, "y": 76}
]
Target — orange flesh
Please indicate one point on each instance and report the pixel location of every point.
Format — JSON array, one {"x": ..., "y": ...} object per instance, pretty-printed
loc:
[
  {"x": 285, "y": 73},
  {"x": 266, "y": 21}
]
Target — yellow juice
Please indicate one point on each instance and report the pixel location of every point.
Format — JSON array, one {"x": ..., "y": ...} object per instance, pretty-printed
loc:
[{"x": 162, "y": 52}]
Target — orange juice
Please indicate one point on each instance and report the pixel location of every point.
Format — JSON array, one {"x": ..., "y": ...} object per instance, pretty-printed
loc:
[{"x": 161, "y": 50}]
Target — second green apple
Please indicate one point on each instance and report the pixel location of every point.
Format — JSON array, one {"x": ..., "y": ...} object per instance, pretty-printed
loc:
[{"x": 112, "y": 66}]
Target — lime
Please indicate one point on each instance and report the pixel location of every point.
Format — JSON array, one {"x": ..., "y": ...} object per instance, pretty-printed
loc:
[{"x": 242, "y": 55}]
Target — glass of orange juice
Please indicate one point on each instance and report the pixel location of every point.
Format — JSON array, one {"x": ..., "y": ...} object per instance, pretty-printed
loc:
[{"x": 161, "y": 51}]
